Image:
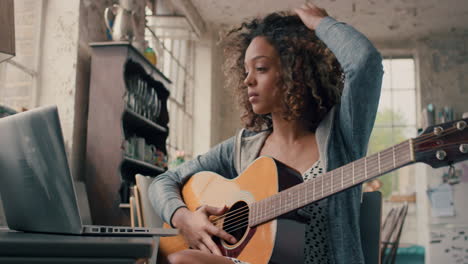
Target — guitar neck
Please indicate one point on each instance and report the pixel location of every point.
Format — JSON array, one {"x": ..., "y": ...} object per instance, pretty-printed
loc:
[{"x": 332, "y": 182}]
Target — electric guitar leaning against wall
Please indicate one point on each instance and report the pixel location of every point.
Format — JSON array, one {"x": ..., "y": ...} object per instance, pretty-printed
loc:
[{"x": 263, "y": 217}]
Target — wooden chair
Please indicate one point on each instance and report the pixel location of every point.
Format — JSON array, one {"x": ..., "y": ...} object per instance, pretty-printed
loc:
[
  {"x": 136, "y": 213},
  {"x": 370, "y": 220},
  {"x": 148, "y": 216}
]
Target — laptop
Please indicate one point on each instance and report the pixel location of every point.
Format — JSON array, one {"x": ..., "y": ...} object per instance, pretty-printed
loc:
[{"x": 36, "y": 186}]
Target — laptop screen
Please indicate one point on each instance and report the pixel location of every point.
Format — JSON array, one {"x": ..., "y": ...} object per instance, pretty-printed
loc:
[{"x": 35, "y": 182}]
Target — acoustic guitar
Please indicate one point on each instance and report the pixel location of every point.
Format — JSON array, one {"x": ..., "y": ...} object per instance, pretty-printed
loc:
[{"x": 264, "y": 200}]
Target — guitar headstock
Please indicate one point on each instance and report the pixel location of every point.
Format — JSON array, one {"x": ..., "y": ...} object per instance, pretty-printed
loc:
[{"x": 442, "y": 145}]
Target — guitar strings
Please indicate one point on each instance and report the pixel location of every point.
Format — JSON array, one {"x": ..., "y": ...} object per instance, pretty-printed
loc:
[
  {"x": 447, "y": 146},
  {"x": 429, "y": 149},
  {"x": 233, "y": 228},
  {"x": 422, "y": 141},
  {"x": 233, "y": 216},
  {"x": 232, "y": 212},
  {"x": 220, "y": 217},
  {"x": 426, "y": 139},
  {"x": 235, "y": 212},
  {"x": 299, "y": 194},
  {"x": 240, "y": 224},
  {"x": 359, "y": 166},
  {"x": 245, "y": 207},
  {"x": 444, "y": 132},
  {"x": 240, "y": 218},
  {"x": 243, "y": 218},
  {"x": 294, "y": 199}
]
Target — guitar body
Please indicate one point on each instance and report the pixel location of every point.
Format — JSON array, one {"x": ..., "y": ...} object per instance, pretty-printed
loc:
[{"x": 276, "y": 241}]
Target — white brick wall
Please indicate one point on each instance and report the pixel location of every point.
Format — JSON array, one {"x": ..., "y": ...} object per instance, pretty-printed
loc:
[
  {"x": 16, "y": 86},
  {"x": 63, "y": 79}
]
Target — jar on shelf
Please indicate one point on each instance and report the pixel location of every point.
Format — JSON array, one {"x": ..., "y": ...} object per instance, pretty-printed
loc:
[{"x": 150, "y": 55}]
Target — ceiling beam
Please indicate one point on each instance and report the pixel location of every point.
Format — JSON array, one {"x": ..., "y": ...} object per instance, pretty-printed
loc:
[{"x": 186, "y": 8}]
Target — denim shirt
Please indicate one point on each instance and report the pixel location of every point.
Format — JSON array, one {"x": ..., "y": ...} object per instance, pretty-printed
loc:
[{"x": 342, "y": 137}]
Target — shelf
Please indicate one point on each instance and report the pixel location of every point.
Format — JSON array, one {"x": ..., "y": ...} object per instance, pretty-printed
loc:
[
  {"x": 403, "y": 198},
  {"x": 109, "y": 174},
  {"x": 124, "y": 205},
  {"x": 138, "y": 57},
  {"x": 137, "y": 122},
  {"x": 144, "y": 164},
  {"x": 132, "y": 166}
]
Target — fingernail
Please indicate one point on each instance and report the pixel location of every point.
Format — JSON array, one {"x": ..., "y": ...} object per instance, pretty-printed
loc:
[{"x": 233, "y": 240}]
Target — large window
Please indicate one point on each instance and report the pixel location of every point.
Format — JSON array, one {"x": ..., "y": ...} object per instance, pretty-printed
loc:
[
  {"x": 396, "y": 120},
  {"x": 173, "y": 41}
]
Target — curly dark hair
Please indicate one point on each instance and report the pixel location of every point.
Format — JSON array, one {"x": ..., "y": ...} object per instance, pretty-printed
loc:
[{"x": 311, "y": 77}]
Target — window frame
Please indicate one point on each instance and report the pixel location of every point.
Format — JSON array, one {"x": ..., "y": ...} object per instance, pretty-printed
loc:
[
  {"x": 180, "y": 103},
  {"x": 414, "y": 126}
]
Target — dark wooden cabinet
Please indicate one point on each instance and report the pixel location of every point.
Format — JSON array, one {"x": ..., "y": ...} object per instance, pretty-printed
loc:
[{"x": 128, "y": 98}]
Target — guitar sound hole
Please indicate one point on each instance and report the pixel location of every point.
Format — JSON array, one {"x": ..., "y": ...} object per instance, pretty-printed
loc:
[{"x": 236, "y": 221}]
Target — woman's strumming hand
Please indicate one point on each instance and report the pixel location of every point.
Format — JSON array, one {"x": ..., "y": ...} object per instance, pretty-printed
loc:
[{"x": 197, "y": 229}]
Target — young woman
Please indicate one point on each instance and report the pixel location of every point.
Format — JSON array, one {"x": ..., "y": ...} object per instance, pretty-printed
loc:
[{"x": 309, "y": 87}]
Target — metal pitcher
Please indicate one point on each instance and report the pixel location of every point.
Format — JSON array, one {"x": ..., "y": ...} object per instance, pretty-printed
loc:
[{"x": 123, "y": 24}]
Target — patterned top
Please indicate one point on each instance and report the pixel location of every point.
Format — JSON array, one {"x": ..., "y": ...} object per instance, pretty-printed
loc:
[{"x": 316, "y": 248}]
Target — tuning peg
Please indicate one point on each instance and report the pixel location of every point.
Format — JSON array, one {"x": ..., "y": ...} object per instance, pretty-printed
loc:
[
  {"x": 461, "y": 125},
  {"x": 463, "y": 148},
  {"x": 440, "y": 154},
  {"x": 438, "y": 130}
]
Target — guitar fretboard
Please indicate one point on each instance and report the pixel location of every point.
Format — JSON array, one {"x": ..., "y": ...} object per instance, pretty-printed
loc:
[{"x": 331, "y": 182}]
